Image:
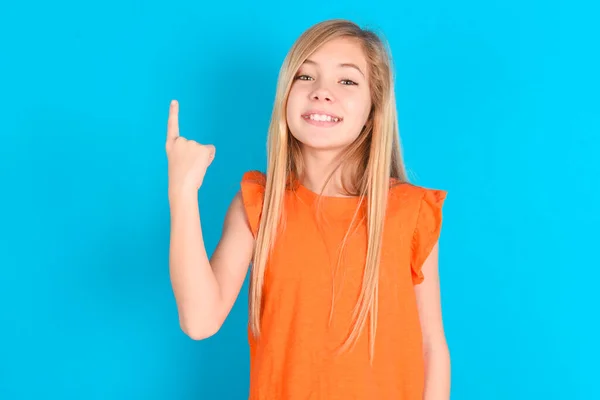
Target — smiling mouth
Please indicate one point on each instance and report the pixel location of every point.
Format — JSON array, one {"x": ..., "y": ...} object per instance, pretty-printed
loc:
[
  {"x": 324, "y": 120},
  {"x": 322, "y": 117}
]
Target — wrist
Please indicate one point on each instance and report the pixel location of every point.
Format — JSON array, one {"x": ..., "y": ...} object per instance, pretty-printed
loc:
[{"x": 182, "y": 193}]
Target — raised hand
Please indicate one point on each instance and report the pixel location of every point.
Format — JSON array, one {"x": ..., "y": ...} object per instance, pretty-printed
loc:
[{"x": 188, "y": 160}]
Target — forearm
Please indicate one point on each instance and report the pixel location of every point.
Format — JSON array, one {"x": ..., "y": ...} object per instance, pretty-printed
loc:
[
  {"x": 437, "y": 372},
  {"x": 194, "y": 284}
]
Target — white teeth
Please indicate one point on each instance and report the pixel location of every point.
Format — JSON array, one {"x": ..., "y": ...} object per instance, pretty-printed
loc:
[{"x": 320, "y": 117}]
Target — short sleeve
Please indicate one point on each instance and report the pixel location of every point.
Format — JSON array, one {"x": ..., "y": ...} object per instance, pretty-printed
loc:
[
  {"x": 427, "y": 230},
  {"x": 253, "y": 189}
]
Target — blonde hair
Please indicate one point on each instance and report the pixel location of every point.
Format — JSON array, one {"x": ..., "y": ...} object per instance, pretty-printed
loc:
[{"x": 370, "y": 161}]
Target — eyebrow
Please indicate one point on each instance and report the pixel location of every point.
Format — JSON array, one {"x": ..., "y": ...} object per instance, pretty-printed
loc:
[{"x": 344, "y": 65}]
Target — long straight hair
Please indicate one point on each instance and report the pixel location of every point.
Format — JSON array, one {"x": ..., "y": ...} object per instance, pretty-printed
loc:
[{"x": 370, "y": 162}]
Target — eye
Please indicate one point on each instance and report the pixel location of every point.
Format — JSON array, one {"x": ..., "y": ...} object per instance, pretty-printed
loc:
[
  {"x": 348, "y": 82},
  {"x": 303, "y": 78}
]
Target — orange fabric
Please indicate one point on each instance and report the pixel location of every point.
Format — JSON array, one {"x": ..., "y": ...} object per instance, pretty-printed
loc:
[{"x": 294, "y": 358}]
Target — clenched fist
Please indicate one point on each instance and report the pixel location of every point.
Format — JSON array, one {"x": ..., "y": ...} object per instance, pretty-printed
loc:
[{"x": 187, "y": 159}]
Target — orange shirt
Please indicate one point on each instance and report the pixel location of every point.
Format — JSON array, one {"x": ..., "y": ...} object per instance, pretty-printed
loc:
[{"x": 295, "y": 357}]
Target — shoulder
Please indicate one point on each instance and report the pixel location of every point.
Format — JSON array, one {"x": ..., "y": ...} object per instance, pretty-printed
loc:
[
  {"x": 405, "y": 193},
  {"x": 252, "y": 187},
  {"x": 419, "y": 204},
  {"x": 251, "y": 196},
  {"x": 423, "y": 207},
  {"x": 254, "y": 177}
]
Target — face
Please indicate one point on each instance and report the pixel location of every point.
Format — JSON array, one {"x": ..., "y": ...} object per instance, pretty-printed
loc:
[{"x": 330, "y": 100}]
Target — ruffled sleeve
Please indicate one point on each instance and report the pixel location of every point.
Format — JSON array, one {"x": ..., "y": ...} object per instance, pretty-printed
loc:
[
  {"x": 427, "y": 230},
  {"x": 253, "y": 190}
]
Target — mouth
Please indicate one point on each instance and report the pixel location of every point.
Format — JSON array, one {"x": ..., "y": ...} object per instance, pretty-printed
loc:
[{"x": 321, "y": 119}]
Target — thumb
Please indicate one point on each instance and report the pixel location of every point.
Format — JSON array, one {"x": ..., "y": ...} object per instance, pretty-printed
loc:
[{"x": 211, "y": 152}]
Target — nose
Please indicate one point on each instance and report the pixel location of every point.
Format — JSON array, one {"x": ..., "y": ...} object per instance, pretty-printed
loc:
[{"x": 321, "y": 94}]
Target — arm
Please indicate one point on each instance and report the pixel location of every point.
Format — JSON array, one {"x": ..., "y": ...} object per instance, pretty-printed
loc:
[
  {"x": 205, "y": 290},
  {"x": 435, "y": 348}
]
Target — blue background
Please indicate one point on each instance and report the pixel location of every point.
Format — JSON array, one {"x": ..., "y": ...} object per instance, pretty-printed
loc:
[{"x": 498, "y": 104}]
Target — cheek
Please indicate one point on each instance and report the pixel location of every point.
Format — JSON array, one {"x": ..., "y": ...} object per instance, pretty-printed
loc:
[
  {"x": 292, "y": 107},
  {"x": 358, "y": 108}
]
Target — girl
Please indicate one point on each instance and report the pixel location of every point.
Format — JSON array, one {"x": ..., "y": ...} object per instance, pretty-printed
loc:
[{"x": 344, "y": 294}]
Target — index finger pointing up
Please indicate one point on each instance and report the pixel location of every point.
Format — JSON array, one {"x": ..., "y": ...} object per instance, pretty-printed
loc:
[{"x": 173, "y": 123}]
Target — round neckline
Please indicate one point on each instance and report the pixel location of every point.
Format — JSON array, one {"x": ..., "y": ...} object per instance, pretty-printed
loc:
[
  {"x": 299, "y": 188},
  {"x": 313, "y": 197}
]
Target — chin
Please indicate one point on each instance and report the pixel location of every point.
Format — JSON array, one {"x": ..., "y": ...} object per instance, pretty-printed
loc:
[{"x": 321, "y": 142}]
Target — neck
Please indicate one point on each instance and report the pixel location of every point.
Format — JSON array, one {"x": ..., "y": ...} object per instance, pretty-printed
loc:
[{"x": 318, "y": 166}]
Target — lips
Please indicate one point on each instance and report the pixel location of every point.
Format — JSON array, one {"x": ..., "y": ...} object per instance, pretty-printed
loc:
[{"x": 321, "y": 118}]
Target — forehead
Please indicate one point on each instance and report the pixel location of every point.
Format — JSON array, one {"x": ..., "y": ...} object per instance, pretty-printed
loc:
[{"x": 338, "y": 51}]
